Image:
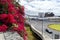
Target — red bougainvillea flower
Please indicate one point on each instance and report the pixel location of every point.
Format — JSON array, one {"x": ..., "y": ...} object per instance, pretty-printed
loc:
[
  {"x": 12, "y": 10},
  {"x": 3, "y": 16},
  {"x": 6, "y": 20},
  {"x": 9, "y": 1},
  {"x": 25, "y": 37},
  {"x": 11, "y": 18},
  {"x": 20, "y": 26},
  {"x": 21, "y": 10},
  {"x": 3, "y": 28},
  {"x": 15, "y": 29},
  {"x": 3, "y": 1},
  {"x": 21, "y": 18},
  {"x": 16, "y": 17}
]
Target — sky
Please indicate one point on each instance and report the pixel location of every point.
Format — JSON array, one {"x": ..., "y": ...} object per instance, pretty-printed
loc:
[{"x": 35, "y": 6}]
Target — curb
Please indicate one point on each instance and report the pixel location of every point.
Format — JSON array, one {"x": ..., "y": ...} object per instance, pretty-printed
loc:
[{"x": 36, "y": 31}]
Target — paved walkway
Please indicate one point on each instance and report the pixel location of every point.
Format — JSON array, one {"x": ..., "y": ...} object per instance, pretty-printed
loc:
[
  {"x": 40, "y": 26},
  {"x": 10, "y": 36}
]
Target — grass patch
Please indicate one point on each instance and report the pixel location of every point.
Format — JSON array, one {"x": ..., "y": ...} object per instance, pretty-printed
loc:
[
  {"x": 31, "y": 35},
  {"x": 54, "y": 26}
]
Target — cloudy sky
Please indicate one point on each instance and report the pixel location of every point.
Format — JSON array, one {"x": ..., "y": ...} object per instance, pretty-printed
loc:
[{"x": 42, "y": 5}]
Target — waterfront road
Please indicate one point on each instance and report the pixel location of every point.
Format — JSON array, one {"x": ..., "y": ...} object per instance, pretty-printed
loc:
[{"x": 41, "y": 26}]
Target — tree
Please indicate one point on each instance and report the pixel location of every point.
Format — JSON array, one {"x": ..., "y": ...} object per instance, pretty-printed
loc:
[{"x": 48, "y": 14}]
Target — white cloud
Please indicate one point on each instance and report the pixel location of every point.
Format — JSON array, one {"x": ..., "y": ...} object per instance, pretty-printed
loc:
[{"x": 42, "y": 6}]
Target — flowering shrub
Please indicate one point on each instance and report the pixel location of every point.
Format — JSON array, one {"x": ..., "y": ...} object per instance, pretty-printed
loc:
[{"x": 12, "y": 16}]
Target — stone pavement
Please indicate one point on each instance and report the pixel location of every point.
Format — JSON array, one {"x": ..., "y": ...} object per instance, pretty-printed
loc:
[
  {"x": 10, "y": 36},
  {"x": 1, "y": 36}
]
